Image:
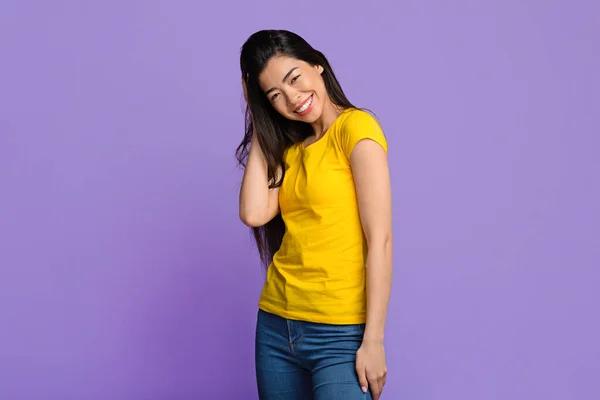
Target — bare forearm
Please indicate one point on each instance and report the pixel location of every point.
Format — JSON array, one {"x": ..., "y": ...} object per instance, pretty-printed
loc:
[
  {"x": 379, "y": 280},
  {"x": 256, "y": 198},
  {"x": 254, "y": 190}
]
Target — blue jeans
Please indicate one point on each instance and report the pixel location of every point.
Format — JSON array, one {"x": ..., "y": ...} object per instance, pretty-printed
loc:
[{"x": 298, "y": 360}]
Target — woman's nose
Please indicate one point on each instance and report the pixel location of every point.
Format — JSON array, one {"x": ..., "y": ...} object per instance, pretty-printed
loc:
[{"x": 294, "y": 98}]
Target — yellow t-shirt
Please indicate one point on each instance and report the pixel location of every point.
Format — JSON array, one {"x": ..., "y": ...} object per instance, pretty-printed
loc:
[{"x": 318, "y": 274}]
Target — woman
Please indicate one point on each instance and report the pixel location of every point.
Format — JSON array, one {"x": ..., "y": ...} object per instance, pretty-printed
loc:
[{"x": 316, "y": 191}]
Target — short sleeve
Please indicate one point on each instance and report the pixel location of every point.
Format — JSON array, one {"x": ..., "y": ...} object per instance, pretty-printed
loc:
[{"x": 360, "y": 125}]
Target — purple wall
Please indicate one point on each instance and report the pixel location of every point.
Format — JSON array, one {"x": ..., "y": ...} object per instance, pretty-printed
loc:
[{"x": 126, "y": 275}]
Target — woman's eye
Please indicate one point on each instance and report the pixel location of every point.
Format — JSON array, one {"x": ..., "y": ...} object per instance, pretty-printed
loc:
[
  {"x": 274, "y": 96},
  {"x": 294, "y": 79}
]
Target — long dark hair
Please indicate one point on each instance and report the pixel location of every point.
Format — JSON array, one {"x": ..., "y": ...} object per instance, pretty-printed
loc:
[{"x": 274, "y": 132}]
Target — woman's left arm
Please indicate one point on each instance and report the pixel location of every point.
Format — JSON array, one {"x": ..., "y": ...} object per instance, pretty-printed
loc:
[{"x": 373, "y": 187}]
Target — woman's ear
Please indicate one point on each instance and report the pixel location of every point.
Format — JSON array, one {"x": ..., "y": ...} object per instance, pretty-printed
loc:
[{"x": 320, "y": 69}]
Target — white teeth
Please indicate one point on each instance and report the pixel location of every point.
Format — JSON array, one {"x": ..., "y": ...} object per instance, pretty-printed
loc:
[{"x": 305, "y": 106}]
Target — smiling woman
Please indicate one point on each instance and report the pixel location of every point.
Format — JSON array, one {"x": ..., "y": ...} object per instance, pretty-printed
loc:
[
  {"x": 316, "y": 192},
  {"x": 294, "y": 96}
]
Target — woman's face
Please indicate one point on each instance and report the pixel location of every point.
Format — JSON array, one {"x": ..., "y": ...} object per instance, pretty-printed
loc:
[{"x": 294, "y": 88}]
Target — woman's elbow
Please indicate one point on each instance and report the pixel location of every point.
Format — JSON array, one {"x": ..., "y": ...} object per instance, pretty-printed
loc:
[
  {"x": 381, "y": 240},
  {"x": 251, "y": 219}
]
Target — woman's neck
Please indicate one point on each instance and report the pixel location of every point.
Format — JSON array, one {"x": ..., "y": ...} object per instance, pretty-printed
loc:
[{"x": 330, "y": 113}]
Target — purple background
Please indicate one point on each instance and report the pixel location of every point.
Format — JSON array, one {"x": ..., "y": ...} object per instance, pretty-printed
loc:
[{"x": 125, "y": 273}]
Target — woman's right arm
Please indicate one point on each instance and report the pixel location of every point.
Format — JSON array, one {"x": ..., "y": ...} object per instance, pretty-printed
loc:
[{"x": 258, "y": 203}]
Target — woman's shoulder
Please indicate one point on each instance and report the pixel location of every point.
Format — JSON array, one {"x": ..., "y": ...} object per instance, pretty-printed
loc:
[
  {"x": 358, "y": 124},
  {"x": 353, "y": 117}
]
